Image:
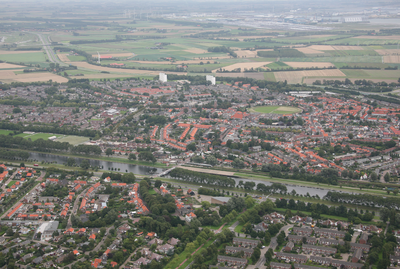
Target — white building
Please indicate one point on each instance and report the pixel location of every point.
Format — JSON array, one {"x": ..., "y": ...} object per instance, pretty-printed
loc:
[
  {"x": 163, "y": 77},
  {"x": 211, "y": 78}
]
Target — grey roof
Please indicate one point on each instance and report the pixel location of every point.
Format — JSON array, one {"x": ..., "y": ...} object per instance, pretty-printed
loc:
[
  {"x": 239, "y": 249},
  {"x": 280, "y": 264},
  {"x": 301, "y": 266},
  {"x": 232, "y": 258},
  {"x": 222, "y": 199},
  {"x": 319, "y": 247}
]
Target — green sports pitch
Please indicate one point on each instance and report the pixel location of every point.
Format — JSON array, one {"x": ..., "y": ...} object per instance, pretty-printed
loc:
[{"x": 275, "y": 109}]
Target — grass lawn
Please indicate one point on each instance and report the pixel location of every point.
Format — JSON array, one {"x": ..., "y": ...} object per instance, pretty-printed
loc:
[
  {"x": 275, "y": 109},
  {"x": 36, "y": 136},
  {"x": 270, "y": 76},
  {"x": 24, "y": 57},
  {"x": 5, "y": 132},
  {"x": 152, "y": 191},
  {"x": 12, "y": 182},
  {"x": 72, "y": 139},
  {"x": 238, "y": 229}
]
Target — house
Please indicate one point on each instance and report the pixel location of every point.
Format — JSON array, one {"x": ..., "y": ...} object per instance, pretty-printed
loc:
[
  {"x": 289, "y": 246},
  {"x": 318, "y": 250},
  {"x": 363, "y": 247},
  {"x": 190, "y": 216},
  {"x": 166, "y": 249},
  {"x": 155, "y": 241},
  {"x": 346, "y": 265},
  {"x": 27, "y": 257},
  {"x": 247, "y": 252},
  {"x": 232, "y": 261},
  {"x": 330, "y": 242},
  {"x": 329, "y": 233},
  {"x": 96, "y": 263},
  {"x": 141, "y": 261},
  {"x": 302, "y": 266},
  {"x": 278, "y": 265},
  {"x": 173, "y": 241},
  {"x": 394, "y": 259},
  {"x": 363, "y": 238},
  {"x": 302, "y": 231},
  {"x": 321, "y": 260},
  {"x": 38, "y": 260},
  {"x": 243, "y": 242},
  {"x": 357, "y": 255},
  {"x": 291, "y": 257}
]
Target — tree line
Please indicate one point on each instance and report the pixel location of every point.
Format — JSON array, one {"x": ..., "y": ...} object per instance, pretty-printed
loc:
[
  {"x": 363, "y": 199},
  {"x": 198, "y": 177},
  {"x": 7, "y": 141}
]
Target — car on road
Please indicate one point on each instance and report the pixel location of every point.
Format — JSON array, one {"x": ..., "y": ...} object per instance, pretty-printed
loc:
[{"x": 263, "y": 247}]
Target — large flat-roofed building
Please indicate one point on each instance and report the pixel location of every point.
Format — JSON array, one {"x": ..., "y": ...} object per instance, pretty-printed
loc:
[
  {"x": 47, "y": 229},
  {"x": 163, "y": 77}
]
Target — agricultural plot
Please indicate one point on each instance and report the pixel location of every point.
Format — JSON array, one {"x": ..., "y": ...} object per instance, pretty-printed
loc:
[
  {"x": 388, "y": 51},
  {"x": 297, "y": 76},
  {"x": 10, "y": 66},
  {"x": 309, "y": 64},
  {"x": 63, "y": 57},
  {"x": 391, "y": 37},
  {"x": 391, "y": 59},
  {"x": 32, "y": 57},
  {"x": 243, "y": 66}
]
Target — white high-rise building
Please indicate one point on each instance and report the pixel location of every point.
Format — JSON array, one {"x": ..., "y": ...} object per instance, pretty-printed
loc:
[
  {"x": 211, "y": 78},
  {"x": 163, "y": 77}
]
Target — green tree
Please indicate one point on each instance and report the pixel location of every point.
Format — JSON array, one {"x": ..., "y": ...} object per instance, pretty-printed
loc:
[
  {"x": 132, "y": 156},
  {"x": 386, "y": 177},
  {"x": 109, "y": 152},
  {"x": 85, "y": 164}
]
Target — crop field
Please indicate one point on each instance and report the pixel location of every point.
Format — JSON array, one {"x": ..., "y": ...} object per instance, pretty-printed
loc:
[
  {"x": 309, "y": 64},
  {"x": 275, "y": 109},
  {"x": 147, "y": 44},
  {"x": 297, "y": 76},
  {"x": 244, "y": 66}
]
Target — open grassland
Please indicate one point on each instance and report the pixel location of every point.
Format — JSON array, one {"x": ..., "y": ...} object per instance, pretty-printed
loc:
[
  {"x": 11, "y": 76},
  {"x": 36, "y": 136},
  {"x": 72, "y": 139},
  {"x": 388, "y": 51},
  {"x": 32, "y": 57},
  {"x": 275, "y": 109},
  {"x": 391, "y": 37},
  {"x": 5, "y": 132}
]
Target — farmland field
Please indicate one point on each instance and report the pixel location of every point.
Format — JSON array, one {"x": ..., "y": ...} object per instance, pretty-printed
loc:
[{"x": 275, "y": 109}]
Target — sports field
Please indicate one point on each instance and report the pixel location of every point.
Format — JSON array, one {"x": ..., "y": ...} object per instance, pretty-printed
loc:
[
  {"x": 275, "y": 109},
  {"x": 72, "y": 139}
]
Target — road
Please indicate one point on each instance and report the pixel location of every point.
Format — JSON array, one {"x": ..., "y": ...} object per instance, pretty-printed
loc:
[
  {"x": 9, "y": 180},
  {"x": 74, "y": 209},
  {"x": 273, "y": 245},
  {"x": 40, "y": 178},
  {"x": 50, "y": 52}
]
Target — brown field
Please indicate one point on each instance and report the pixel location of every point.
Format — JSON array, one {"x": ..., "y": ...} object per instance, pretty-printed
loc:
[
  {"x": 105, "y": 76},
  {"x": 246, "y": 53},
  {"x": 388, "y": 51},
  {"x": 310, "y": 51},
  {"x": 392, "y": 37},
  {"x": 297, "y": 76},
  {"x": 181, "y": 62},
  {"x": 347, "y": 48},
  {"x": 18, "y": 51},
  {"x": 243, "y": 66},
  {"x": 316, "y": 36},
  {"x": 254, "y": 75},
  {"x": 8, "y": 66},
  {"x": 321, "y": 47},
  {"x": 308, "y": 64},
  {"x": 309, "y": 81},
  {"x": 391, "y": 59},
  {"x": 196, "y": 51},
  {"x": 10, "y": 76},
  {"x": 120, "y": 70},
  {"x": 63, "y": 57},
  {"x": 127, "y": 54}
]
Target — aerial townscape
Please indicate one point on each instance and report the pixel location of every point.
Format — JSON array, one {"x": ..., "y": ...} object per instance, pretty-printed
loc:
[{"x": 199, "y": 134}]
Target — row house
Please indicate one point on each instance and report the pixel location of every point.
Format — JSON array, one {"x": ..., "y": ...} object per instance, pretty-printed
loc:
[
  {"x": 357, "y": 255},
  {"x": 321, "y": 260},
  {"x": 302, "y": 231},
  {"x": 363, "y": 238},
  {"x": 299, "y": 239},
  {"x": 329, "y": 233},
  {"x": 394, "y": 259},
  {"x": 318, "y": 250},
  {"x": 232, "y": 261},
  {"x": 245, "y": 242},
  {"x": 363, "y": 247},
  {"x": 278, "y": 265},
  {"x": 330, "y": 242},
  {"x": 291, "y": 257},
  {"x": 346, "y": 265},
  {"x": 232, "y": 250},
  {"x": 302, "y": 266}
]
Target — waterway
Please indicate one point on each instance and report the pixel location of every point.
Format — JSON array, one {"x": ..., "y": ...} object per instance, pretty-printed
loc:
[
  {"x": 104, "y": 165},
  {"x": 146, "y": 170}
]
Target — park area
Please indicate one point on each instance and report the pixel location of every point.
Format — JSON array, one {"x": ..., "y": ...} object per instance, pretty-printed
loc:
[{"x": 276, "y": 109}]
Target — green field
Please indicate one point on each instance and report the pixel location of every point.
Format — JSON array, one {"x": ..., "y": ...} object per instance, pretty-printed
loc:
[
  {"x": 275, "y": 109},
  {"x": 34, "y": 57},
  {"x": 36, "y": 136},
  {"x": 12, "y": 182},
  {"x": 5, "y": 132},
  {"x": 72, "y": 139}
]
